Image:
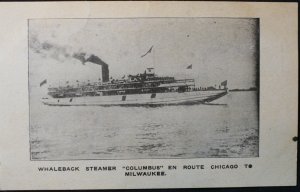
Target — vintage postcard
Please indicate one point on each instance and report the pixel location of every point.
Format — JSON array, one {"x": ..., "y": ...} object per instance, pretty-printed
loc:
[{"x": 147, "y": 97}]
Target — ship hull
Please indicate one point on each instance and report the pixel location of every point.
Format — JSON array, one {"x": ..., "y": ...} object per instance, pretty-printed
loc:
[{"x": 152, "y": 99}]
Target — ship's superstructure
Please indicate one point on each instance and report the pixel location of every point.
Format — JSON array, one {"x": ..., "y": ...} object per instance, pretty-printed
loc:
[
  {"x": 142, "y": 89},
  {"x": 147, "y": 82}
]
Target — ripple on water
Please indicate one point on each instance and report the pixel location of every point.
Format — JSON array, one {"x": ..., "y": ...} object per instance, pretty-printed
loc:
[{"x": 195, "y": 131}]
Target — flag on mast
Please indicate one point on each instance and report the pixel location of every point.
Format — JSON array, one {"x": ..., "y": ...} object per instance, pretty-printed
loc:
[
  {"x": 224, "y": 83},
  {"x": 43, "y": 82},
  {"x": 190, "y": 66},
  {"x": 149, "y": 51}
]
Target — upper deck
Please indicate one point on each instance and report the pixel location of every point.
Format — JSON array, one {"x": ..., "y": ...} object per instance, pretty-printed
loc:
[{"x": 134, "y": 84}]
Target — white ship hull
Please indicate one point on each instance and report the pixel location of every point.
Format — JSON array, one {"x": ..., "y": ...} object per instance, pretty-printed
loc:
[{"x": 170, "y": 98}]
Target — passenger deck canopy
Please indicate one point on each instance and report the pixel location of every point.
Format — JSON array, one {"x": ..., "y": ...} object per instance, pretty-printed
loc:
[{"x": 177, "y": 84}]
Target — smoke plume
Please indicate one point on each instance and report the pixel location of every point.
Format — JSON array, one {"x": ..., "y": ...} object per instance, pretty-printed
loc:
[
  {"x": 61, "y": 53},
  {"x": 96, "y": 60}
]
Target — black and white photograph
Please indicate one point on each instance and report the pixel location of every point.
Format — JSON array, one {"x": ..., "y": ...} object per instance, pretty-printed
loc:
[
  {"x": 143, "y": 88},
  {"x": 112, "y": 95}
]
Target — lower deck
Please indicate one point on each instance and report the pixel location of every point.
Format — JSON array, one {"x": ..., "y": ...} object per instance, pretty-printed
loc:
[{"x": 171, "y": 98}]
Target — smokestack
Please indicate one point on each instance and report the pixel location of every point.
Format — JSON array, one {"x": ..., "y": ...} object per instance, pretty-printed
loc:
[
  {"x": 96, "y": 60},
  {"x": 105, "y": 73}
]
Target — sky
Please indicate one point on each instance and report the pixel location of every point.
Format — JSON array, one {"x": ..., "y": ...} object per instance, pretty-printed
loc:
[{"x": 217, "y": 48}]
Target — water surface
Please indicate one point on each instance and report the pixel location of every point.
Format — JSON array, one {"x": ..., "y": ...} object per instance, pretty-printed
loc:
[{"x": 228, "y": 127}]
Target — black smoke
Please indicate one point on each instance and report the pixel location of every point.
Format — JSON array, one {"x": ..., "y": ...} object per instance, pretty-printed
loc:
[
  {"x": 60, "y": 53},
  {"x": 96, "y": 60}
]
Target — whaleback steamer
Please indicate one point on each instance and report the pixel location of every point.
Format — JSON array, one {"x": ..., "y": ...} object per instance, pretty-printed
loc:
[{"x": 146, "y": 89}]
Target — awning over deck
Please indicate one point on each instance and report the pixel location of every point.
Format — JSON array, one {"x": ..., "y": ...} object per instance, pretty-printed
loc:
[{"x": 177, "y": 84}]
